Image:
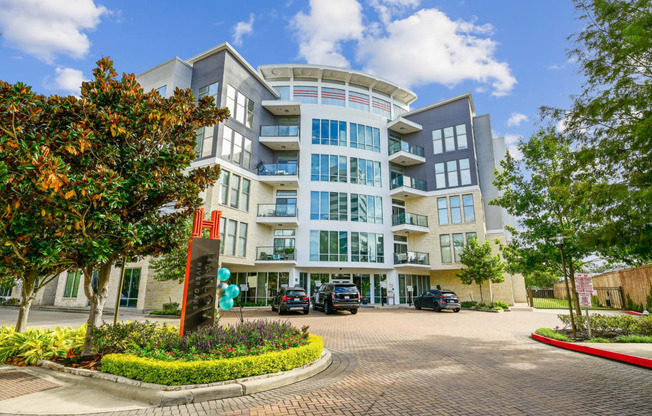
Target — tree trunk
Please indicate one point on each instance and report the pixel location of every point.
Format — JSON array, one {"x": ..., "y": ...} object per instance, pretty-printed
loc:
[
  {"x": 491, "y": 292},
  {"x": 571, "y": 272},
  {"x": 97, "y": 300},
  {"x": 27, "y": 297},
  {"x": 481, "y": 297}
]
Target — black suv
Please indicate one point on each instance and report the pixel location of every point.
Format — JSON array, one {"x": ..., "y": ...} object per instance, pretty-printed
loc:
[
  {"x": 337, "y": 297},
  {"x": 291, "y": 299},
  {"x": 437, "y": 300}
]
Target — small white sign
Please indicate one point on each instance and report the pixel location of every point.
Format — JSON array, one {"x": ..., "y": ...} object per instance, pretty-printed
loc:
[
  {"x": 583, "y": 283},
  {"x": 585, "y": 300},
  {"x": 383, "y": 285},
  {"x": 410, "y": 289},
  {"x": 244, "y": 287}
]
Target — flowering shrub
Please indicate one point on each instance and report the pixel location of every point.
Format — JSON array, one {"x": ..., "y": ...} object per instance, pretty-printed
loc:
[{"x": 220, "y": 342}]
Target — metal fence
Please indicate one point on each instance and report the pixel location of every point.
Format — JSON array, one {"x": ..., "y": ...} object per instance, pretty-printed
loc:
[{"x": 605, "y": 298}]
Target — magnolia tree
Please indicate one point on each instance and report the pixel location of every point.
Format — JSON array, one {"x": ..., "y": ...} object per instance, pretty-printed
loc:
[{"x": 124, "y": 154}]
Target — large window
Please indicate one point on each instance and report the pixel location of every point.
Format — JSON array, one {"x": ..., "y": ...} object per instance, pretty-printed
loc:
[
  {"x": 367, "y": 208},
  {"x": 456, "y": 210},
  {"x": 328, "y": 206},
  {"x": 458, "y": 246},
  {"x": 381, "y": 107},
  {"x": 331, "y": 132},
  {"x": 241, "y": 107},
  {"x": 364, "y": 137},
  {"x": 284, "y": 92},
  {"x": 204, "y": 141},
  {"x": 236, "y": 148},
  {"x": 445, "y": 140},
  {"x": 130, "y": 286},
  {"x": 445, "y": 244},
  {"x": 306, "y": 95},
  {"x": 453, "y": 173},
  {"x": 333, "y": 96},
  {"x": 442, "y": 210},
  {"x": 72, "y": 284},
  {"x": 365, "y": 172},
  {"x": 234, "y": 191},
  {"x": 234, "y": 238},
  {"x": 209, "y": 90},
  {"x": 367, "y": 247},
  {"x": 328, "y": 246},
  {"x": 358, "y": 101},
  {"x": 327, "y": 168},
  {"x": 242, "y": 240},
  {"x": 469, "y": 210}
]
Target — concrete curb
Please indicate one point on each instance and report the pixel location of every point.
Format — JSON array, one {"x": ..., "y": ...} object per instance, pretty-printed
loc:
[
  {"x": 486, "y": 310},
  {"x": 161, "y": 395},
  {"x": 634, "y": 313},
  {"x": 612, "y": 355}
]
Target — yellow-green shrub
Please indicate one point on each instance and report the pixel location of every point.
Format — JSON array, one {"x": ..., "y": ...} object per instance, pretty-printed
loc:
[
  {"x": 39, "y": 344},
  {"x": 201, "y": 372}
]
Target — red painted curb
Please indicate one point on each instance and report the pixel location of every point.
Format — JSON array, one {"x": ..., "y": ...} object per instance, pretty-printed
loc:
[
  {"x": 634, "y": 313},
  {"x": 630, "y": 359}
]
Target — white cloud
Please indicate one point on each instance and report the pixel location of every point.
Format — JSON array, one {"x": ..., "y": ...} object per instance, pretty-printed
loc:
[
  {"x": 241, "y": 29},
  {"x": 321, "y": 32},
  {"x": 47, "y": 28},
  {"x": 511, "y": 143},
  {"x": 428, "y": 47},
  {"x": 387, "y": 9},
  {"x": 69, "y": 80},
  {"x": 516, "y": 119}
]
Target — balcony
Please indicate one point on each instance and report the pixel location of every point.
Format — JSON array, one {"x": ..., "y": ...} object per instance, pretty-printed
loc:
[
  {"x": 282, "y": 107},
  {"x": 405, "y": 186},
  {"x": 279, "y": 174},
  {"x": 407, "y": 223},
  {"x": 271, "y": 254},
  {"x": 280, "y": 137},
  {"x": 277, "y": 214},
  {"x": 405, "y": 154},
  {"x": 404, "y": 126},
  {"x": 412, "y": 259}
]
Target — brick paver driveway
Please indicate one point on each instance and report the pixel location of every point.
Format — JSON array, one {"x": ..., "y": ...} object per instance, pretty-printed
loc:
[{"x": 408, "y": 362}]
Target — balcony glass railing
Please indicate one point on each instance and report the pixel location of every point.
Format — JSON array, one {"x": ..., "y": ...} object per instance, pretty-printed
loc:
[
  {"x": 410, "y": 219},
  {"x": 397, "y": 146},
  {"x": 281, "y": 168},
  {"x": 271, "y": 253},
  {"x": 277, "y": 210},
  {"x": 412, "y": 257},
  {"x": 409, "y": 182},
  {"x": 279, "y": 131}
]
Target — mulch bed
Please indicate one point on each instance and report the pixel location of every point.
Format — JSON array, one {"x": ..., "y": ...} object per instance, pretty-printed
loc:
[{"x": 89, "y": 362}]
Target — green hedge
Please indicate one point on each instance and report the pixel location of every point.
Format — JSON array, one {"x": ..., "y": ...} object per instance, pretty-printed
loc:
[{"x": 201, "y": 372}]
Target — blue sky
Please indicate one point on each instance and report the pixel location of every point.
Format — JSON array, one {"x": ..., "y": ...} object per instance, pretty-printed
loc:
[{"x": 510, "y": 54}]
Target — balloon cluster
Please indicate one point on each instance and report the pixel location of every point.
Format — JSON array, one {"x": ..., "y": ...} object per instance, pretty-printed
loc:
[{"x": 225, "y": 291}]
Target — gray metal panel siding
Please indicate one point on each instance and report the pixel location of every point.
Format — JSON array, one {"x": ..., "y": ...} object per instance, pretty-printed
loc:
[
  {"x": 486, "y": 165},
  {"x": 452, "y": 114}
]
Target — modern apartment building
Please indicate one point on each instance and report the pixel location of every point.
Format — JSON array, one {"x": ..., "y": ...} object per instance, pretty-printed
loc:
[{"x": 328, "y": 174}]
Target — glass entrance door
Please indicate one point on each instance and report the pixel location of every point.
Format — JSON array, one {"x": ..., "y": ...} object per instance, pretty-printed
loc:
[
  {"x": 363, "y": 282},
  {"x": 129, "y": 294}
]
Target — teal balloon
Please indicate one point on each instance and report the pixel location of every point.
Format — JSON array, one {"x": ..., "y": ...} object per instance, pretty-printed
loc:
[
  {"x": 226, "y": 304},
  {"x": 223, "y": 274},
  {"x": 232, "y": 291},
  {"x": 221, "y": 287}
]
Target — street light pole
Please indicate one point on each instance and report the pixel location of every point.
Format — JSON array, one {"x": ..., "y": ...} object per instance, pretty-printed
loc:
[{"x": 559, "y": 242}]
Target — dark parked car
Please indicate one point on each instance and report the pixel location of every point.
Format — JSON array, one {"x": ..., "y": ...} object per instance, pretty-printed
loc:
[
  {"x": 337, "y": 297},
  {"x": 291, "y": 299},
  {"x": 437, "y": 300}
]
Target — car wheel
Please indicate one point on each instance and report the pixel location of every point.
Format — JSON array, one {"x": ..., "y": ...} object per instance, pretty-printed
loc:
[
  {"x": 437, "y": 308},
  {"x": 456, "y": 310},
  {"x": 306, "y": 311},
  {"x": 354, "y": 311},
  {"x": 327, "y": 308},
  {"x": 417, "y": 306}
]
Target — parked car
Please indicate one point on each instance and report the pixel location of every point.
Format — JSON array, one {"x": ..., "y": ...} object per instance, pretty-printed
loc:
[
  {"x": 337, "y": 297},
  {"x": 437, "y": 300},
  {"x": 291, "y": 299}
]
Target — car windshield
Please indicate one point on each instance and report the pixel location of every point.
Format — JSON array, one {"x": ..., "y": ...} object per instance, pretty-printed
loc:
[
  {"x": 345, "y": 289},
  {"x": 295, "y": 293},
  {"x": 448, "y": 294}
]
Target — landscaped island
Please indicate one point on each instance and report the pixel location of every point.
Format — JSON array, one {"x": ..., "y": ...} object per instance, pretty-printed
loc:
[
  {"x": 156, "y": 354},
  {"x": 604, "y": 328}
]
